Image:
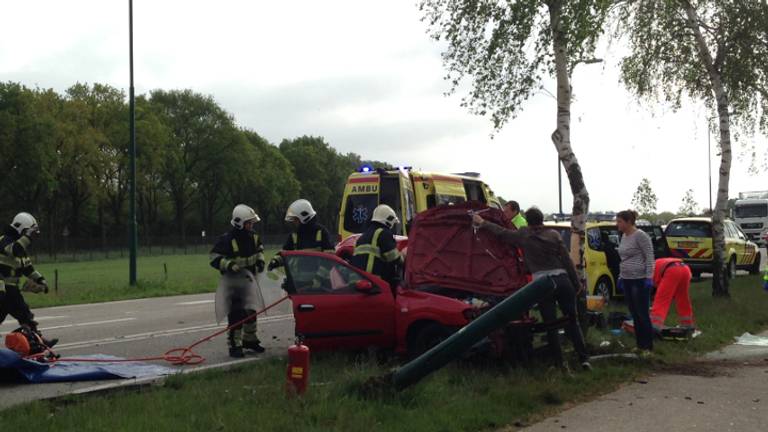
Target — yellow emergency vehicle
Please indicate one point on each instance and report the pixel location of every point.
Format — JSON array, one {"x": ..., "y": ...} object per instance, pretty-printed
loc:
[
  {"x": 690, "y": 239},
  {"x": 601, "y": 253},
  {"x": 408, "y": 192}
]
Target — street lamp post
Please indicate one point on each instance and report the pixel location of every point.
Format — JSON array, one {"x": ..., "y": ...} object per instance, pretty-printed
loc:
[
  {"x": 132, "y": 225},
  {"x": 709, "y": 164},
  {"x": 709, "y": 160},
  {"x": 560, "y": 185}
]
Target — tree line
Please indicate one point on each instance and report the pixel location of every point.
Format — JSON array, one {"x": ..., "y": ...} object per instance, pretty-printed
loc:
[{"x": 65, "y": 160}]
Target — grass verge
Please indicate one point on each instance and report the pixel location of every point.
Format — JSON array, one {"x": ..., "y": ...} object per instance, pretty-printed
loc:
[
  {"x": 457, "y": 398},
  {"x": 107, "y": 280}
]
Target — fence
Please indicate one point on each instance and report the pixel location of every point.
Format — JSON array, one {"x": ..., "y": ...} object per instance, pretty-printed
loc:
[{"x": 68, "y": 249}]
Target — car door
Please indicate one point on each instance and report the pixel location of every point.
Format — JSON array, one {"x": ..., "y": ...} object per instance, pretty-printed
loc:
[
  {"x": 734, "y": 241},
  {"x": 337, "y": 306},
  {"x": 744, "y": 252}
]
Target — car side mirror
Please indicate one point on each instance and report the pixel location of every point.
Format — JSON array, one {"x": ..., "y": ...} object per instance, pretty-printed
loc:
[{"x": 364, "y": 286}]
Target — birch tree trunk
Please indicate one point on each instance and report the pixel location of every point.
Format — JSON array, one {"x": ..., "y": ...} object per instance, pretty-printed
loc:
[
  {"x": 719, "y": 261},
  {"x": 561, "y": 137}
]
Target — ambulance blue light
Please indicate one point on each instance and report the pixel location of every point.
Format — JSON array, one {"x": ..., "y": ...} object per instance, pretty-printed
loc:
[{"x": 365, "y": 168}]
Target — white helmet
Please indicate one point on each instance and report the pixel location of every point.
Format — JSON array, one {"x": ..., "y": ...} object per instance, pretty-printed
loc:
[
  {"x": 300, "y": 209},
  {"x": 384, "y": 214},
  {"x": 25, "y": 222},
  {"x": 242, "y": 214}
]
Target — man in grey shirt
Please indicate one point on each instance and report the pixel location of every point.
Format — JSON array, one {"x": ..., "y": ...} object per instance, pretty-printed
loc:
[{"x": 545, "y": 256}]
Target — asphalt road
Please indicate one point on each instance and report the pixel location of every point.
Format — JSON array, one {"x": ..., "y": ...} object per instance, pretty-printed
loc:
[{"x": 140, "y": 328}]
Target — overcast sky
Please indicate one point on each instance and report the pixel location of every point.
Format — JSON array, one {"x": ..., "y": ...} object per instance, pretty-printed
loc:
[{"x": 364, "y": 75}]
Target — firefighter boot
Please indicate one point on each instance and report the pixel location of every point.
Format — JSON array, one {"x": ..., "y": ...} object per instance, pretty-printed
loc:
[
  {"x": 50, "y": 343},
  {"x": 250, "y": 339},
  {"x": 235, "y": 340}
]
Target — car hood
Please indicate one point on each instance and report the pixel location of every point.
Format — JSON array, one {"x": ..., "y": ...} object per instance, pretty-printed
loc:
[{"x": 445, "y": 251}]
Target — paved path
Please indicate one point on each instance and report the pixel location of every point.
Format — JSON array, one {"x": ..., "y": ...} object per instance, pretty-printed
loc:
[
  {"x": 146, "y": 327},
  {"x": 728, "y": 391}
]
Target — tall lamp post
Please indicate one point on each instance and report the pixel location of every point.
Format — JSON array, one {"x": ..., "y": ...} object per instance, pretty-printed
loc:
[
  {"x": 132, "y": 225},
  {"x": 560, "y": 185},
  {"x": 709, "y": 160}
]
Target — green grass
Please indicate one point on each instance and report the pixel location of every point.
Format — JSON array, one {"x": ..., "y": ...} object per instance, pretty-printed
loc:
[
  {"x": 107, "y": 280},
  {"x": 253, "y": 398},
  {"x": 458, "y": 398}
]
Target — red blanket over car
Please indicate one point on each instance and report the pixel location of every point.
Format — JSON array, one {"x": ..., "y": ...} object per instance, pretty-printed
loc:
[{"x": 445, "y": 251}]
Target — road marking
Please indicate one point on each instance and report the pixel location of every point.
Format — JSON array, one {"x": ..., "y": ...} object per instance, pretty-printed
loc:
[
  {"x": 160, "y": 333},
  {"x": 85, "y": 324},
  {"x": 13, "y": 323},
  {"x": 193, "y": 303}
]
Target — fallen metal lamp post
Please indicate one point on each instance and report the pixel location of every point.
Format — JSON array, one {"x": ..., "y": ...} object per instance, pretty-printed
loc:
[{"x": 461, "y": 341}]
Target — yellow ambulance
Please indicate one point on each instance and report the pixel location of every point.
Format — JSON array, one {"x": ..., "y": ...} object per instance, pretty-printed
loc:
[{"x": 408, "y": 192}]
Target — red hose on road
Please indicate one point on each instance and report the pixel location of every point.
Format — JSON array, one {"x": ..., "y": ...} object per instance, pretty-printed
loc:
[{"x": 175, "y": 356}]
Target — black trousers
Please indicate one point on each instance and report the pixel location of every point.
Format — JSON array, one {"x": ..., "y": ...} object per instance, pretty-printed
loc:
[
  {"x": 565, "y": 297},
  {"x": 12, "y": 303}
]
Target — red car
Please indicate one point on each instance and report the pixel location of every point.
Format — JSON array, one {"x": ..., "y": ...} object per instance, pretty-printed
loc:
[
  {"x": 452, "y": 274},
  {"x": 347, "y": 308}
]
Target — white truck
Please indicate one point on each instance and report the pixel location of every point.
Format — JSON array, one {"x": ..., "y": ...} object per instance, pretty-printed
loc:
[{"x": 751, "y": 214}]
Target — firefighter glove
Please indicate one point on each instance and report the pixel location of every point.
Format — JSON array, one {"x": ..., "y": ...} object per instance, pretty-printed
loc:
[
  {"x": 273, "y": 264},
  {"x": 260, "y": 266},
  {"x": 34, "y": 287},
  {"x": 44, "y": 284},
  {"x": 233, "y": 267}
]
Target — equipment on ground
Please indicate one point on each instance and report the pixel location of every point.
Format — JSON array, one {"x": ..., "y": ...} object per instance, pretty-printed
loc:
[{"x": 297, "y": 375}]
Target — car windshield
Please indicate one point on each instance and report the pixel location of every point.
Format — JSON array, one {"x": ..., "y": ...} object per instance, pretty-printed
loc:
[
  {"x": 689, "y": 229},
  {"x": 752, "y": 211},
  {"x": 358, "y": 211}
]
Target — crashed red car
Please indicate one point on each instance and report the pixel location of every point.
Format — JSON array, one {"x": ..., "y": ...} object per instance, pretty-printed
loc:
[{"x": 452, "y": 274}]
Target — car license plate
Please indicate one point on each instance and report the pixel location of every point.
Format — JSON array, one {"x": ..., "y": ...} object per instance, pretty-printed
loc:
[{"x": 684, "y": 244}]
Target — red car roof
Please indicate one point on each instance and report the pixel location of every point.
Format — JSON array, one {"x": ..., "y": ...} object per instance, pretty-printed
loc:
[{"x": 444, "y": 251}]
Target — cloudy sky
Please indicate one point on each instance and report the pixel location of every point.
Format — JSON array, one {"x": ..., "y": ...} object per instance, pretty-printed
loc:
[{"x": 364, "y": 75}]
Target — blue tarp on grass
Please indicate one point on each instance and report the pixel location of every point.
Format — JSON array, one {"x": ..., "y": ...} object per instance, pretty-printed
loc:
[{"x": 13, "y": 367}]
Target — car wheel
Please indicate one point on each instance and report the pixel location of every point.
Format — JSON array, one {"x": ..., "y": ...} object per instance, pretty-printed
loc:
[
  {"x": 427, "y": 337},
  {"x": 732, "y": 268},
  {"x": 755, "y": 268},
  {"x": 604, "y": 288}
]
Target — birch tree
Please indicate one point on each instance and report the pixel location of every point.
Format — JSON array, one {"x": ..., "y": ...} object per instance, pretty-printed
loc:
[
  {"x": 712, "y": 51},
  {"x": 644, "y": 200},
  {"x": 507, "y": 50}
]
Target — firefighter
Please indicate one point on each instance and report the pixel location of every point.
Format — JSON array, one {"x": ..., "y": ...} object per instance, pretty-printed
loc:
[
  {"x": 239, "y": 256},
  {"x": 672, "y": 278},
  {"x": 15, "y": 263},
  {"x": 308, "y": 233},
  {"x": 376, "y": 250}
]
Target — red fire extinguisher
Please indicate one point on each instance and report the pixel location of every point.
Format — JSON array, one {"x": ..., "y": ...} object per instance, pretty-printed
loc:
[{"x": 298, "y": 368}]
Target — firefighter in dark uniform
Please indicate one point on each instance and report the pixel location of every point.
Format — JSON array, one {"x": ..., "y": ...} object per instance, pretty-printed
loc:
[
  {"x": 15, "y": 263},
  {"x": 308, "y": 233},
  {"x": 240, "y": 249},
  {"x": 376, "y": 250}
]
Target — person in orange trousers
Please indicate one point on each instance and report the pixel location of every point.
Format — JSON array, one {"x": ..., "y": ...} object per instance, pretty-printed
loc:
[{"x": 672, "y": 279}]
